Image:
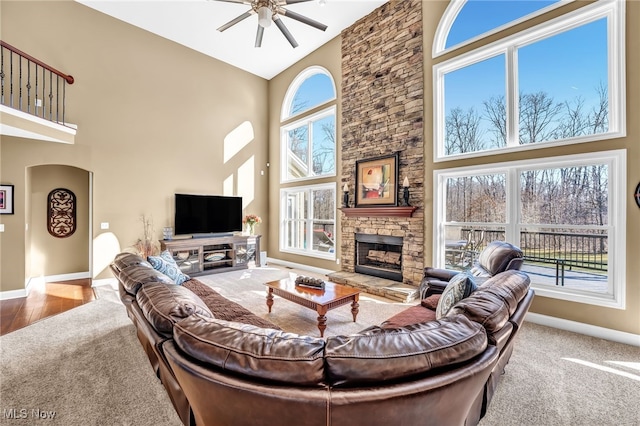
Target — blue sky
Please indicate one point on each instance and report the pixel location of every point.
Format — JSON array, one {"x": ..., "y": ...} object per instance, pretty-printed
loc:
[{"x": 570, "y": 64}]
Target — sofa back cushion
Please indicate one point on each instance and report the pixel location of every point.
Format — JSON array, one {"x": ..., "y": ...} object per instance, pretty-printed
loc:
[
  {"x": 124, "y": 260},
  {"x": 261, "y": 353},
  {"x": 493, "y": 303},
  {"x": 497, "y": 257},
  {"x": 163, "y": 305},
  {"x": 134, "y": 276},
  {"x": 380, "y": 354}
]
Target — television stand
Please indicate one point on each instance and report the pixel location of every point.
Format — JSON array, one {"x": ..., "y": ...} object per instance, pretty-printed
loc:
[{"x": 214, "y": 254}]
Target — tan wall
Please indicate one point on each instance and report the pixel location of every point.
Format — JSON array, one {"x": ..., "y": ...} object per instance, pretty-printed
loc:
[
  {"x": 329, "y": 57},
  {"x": 49, "y": 254},
  {"x": 627, "y": 320},
  {"x": 152, "y": 117}
]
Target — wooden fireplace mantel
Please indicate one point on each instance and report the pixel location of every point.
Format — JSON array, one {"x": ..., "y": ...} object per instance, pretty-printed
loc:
[{"x": 378, "y": 211}]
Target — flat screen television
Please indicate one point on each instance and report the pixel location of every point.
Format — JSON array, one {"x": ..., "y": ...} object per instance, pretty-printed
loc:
[{"x": 202, "y": 215}]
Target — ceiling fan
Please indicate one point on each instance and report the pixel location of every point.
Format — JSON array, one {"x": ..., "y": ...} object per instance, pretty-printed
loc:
[{"x": 271, "y": 10}]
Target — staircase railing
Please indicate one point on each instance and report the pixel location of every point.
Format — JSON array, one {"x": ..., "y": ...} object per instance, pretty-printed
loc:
[{"x": 29, "y": 85}]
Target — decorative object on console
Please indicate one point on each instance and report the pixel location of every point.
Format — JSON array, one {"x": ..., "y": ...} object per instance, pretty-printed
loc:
[
  {"x": 405, "y": 194},
  {"x": 637, "y": 195},
  {"x": 214, "y": 257},
  {"x": 377, "y": 181},
  {"x": 271, "y": 10},
  {"x": 167, "y": 233},
  {"x": 147, "y": 246},
  {"x": 251, "y": 220},
  {"x": 6, "y": 199},
  {"x": 61, "y": 213},
  {"x": 310, "y": 282}
]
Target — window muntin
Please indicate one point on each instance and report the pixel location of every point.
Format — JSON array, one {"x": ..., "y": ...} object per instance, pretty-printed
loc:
[
  {"x": 603, "y": 107},
  {"x": 311, "y": 88},
  {"x": 309, "y": 220},
  {"x": 564, "y": 212}
]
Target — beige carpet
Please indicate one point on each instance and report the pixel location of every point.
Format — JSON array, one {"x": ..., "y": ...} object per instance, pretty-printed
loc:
[
  {"x": 88, "y": 366},
  {"x": 247, "y": 288}
]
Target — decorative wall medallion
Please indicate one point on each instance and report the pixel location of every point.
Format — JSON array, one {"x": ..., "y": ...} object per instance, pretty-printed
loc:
[{"x": 61, "y": 213}]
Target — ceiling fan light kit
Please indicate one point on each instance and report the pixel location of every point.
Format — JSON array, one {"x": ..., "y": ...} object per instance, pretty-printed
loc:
[{"x": 272, "y": 10}]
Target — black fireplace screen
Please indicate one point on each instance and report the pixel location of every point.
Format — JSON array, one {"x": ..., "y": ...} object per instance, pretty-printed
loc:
[{"x": 379, "y": 256}]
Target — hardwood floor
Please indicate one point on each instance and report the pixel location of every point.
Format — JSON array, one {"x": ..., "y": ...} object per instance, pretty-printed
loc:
[{"x": 44, "y": 301}]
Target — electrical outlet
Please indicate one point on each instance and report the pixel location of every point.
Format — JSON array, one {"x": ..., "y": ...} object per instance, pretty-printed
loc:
[
  {"x": 1, "y": 227},
  {"x": 337, "y": 261},
  {"x": 104, "y": 225}
]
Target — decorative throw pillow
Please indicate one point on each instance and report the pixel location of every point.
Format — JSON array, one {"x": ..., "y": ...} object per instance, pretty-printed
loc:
[
  {"x": 459, "y": 287},
  {"x": 168, "y": 266}
]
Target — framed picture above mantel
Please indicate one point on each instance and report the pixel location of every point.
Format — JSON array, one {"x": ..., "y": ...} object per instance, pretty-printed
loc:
[{"x": 377, "y": 181}]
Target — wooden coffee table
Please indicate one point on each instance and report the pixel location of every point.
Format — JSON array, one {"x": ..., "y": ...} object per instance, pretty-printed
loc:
[{"x": 321, "y": 301}]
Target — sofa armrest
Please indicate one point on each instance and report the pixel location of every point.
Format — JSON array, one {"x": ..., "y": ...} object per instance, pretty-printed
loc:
[{"x": 439, "y": 274}]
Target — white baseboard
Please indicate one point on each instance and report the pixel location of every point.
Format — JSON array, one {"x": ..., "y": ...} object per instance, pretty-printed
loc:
[
  {"x": 67, "y": 277},
  {"x": 299, "y": 266},
  {"x": 13, "y": 294},
  {"x": 586, "y": 329}
]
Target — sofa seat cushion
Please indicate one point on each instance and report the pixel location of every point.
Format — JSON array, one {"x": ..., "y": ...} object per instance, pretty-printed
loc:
[
  {"x": 380, "y": 354},
  {"x": 413, "y": 315},
  {"x": 163, "y": 305},
  {"x": 134, "y": 276},
  {"x": 431, "y": 302},
  {"x": 495, "y": 301},
  {"x": 262, "y": 353},
  {"x": 459, "y": 287},
  {"x": 166, "y": 264},
  {"x": 225, "y": 309}
]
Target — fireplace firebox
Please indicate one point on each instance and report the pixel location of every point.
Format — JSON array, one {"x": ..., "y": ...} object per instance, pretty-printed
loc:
[{"x": 379, "y": 256}]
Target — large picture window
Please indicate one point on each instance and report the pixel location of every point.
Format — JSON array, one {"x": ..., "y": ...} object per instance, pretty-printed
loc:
[
  {"x": 309, "y": 220},
  {"x": 559, "y": 82},
  {"x": 566, "y": 213}
]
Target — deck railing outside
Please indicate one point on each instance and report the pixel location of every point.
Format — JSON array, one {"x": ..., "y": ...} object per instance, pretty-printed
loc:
[
  {"x": 563, "y": 250},
  {"x": 29, "y": 85}
]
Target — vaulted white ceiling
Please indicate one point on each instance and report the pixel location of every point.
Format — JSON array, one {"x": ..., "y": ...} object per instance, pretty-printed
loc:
[{"x": 194, "y": 23}]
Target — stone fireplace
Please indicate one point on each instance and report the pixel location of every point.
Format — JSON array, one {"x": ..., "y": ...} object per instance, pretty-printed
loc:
[
  {"x": 379, "y": 255},
  {"x": 382, "y": 113}
]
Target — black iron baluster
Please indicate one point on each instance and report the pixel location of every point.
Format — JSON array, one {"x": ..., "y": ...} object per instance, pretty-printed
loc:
[
  {"x": 35, "y": 105},
  {"x": 51, "y": 95},
  {"x": 64, "y": 95},
  {"x": 44, "y": 85},
  {"x": 29, "y": 86},
  {"x": 2, "y": 75},
  {"x": 20, "y": 84},
  {"x": 11, "y": 79}
]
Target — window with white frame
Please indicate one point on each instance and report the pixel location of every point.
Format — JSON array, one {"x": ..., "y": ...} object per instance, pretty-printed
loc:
[
  {"x": 308, "y": 153},
  {"x": 559, "y": 82},
  {"x": 308, "y": 223},
  {"x": 566, "y": 213}
]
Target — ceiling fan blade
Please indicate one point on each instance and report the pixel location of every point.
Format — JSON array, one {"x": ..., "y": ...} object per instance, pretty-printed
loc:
[
  {"x": 296, "y": 1},
  {"x": 303, "y": 19},
  {"x": 285, "y": 31},
  {"x": 235, "y": 1},
  {"x": 235, "y": 21},
  {"x": 259, "y": 36}
]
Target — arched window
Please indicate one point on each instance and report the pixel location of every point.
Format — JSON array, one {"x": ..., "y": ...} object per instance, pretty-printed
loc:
[
  {"x": 308, "y": 147},
  {"x": 311, "y": 88},
  {"x": 465, "y": 21}
]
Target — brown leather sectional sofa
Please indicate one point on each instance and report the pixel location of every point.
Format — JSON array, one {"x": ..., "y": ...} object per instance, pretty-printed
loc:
[{"x": 223, "y": 365}]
